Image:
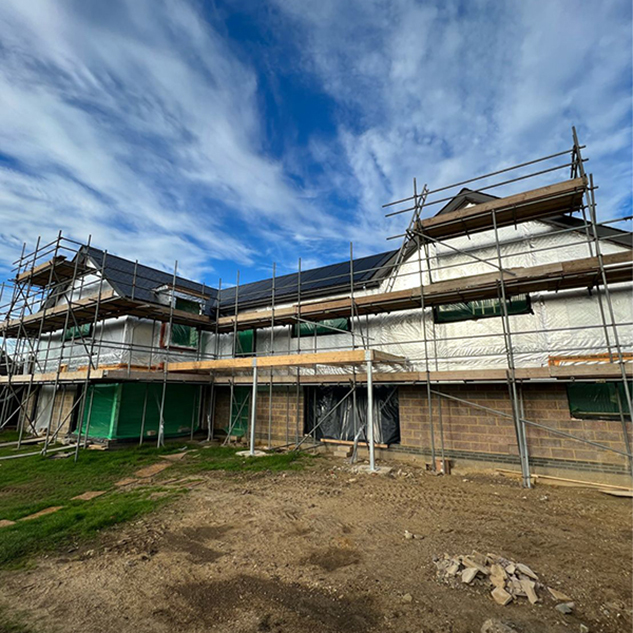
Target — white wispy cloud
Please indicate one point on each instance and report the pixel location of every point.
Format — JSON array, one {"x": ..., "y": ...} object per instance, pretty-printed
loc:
[
  {"x": 137, "y": 124},
  {"x": 444, "y": 91},
  {"x": 142, "y": 123}
]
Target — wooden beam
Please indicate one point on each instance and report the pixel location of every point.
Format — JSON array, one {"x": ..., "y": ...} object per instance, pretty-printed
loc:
[
  {"x": 40, "y": 275},
  {"x": 550, "y": 374},
  {"x": 598, "y": 371},
  {"x": 110, "y": 306},
  {"x": 109, "y": 375},
  {"x": 342, "y": 358},
  {"x": 554, "y": 199}
]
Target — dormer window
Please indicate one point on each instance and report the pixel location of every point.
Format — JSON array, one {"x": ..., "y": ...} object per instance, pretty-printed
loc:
[{"x": 185, "y": 335}]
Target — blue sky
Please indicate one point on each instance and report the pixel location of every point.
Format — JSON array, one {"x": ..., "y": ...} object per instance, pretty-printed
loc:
[{"x": 228, "y": 135}]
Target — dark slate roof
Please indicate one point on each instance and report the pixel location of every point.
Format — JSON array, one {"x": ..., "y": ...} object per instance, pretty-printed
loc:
[
  {"x": 317, "y": 282},
  {"x": 143, "y": 286}
]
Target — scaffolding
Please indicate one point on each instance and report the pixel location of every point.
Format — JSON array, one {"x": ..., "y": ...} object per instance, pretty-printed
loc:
[{"x": 61, "y": 286}]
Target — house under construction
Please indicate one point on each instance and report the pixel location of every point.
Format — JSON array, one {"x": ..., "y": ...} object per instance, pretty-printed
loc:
[{"x": 497, "y": 332}]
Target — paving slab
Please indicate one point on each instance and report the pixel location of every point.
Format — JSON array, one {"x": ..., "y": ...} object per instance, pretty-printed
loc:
[
  {"x": 501, "y": 596},
  {"x": 41, "y": 513},
  {"x": 90, "y": 494},
  {"x": 174, "y": 457},
  {"x": 150, "y": 471},
  {"x": 558, "y": 595},
  {"x": 126, "y": 482}
]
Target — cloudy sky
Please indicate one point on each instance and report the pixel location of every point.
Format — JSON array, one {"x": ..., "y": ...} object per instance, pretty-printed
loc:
[{"x": 228, "y": 135}]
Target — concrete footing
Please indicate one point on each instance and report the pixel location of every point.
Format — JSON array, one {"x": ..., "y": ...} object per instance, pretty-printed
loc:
[{"x": 248, "y": 453}]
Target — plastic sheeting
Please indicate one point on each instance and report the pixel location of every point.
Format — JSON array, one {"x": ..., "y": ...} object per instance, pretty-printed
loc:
[
  {"x": 567, "y": 323},
  {"x": 330, "y": 410}
]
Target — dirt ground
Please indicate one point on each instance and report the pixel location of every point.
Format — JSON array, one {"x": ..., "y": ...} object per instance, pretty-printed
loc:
[{"x": 324, "y": 549}]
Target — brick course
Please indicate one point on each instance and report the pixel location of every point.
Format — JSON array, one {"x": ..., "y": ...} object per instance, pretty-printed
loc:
[
  {"x": 468, "y": 429},
  {"x": 284, "y": 421},
  {"x": 469, "y": 432}
]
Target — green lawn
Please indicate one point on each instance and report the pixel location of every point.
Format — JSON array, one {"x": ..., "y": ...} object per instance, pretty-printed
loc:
[{"x": 31, "y": 484}]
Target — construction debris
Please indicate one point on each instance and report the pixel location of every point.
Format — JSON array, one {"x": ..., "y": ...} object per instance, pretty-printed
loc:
[
  {"x": 496, "y": 626},
  {"x": 501, "y": 596},
  {"x": 509, "y": 579},
  {"x": 559, "y": 596}
]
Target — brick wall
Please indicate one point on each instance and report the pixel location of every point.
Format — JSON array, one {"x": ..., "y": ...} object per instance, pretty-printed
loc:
[
  {"x": 284, "y": 422},
  {"x": 474, "y": 433},
  {"x": 469, "y": 433}
]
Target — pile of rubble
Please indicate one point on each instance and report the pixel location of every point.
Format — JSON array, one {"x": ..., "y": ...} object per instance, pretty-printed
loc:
[{"x": 509, "y": 580}]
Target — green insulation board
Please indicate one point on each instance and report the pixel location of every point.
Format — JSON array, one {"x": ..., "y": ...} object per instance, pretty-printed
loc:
[
  {"x": 101, "y": 407},
  {"x": 117, "y": 410}
]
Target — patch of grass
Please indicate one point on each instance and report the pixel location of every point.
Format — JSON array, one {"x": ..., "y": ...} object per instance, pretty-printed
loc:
[
  {"x": 77, "y": 522},
  {"x": 226, "y": 458},
  {"x": 33, "y": 483},
  {"x": 30, "y": 484},
  {"x": 9, "y": 435}
]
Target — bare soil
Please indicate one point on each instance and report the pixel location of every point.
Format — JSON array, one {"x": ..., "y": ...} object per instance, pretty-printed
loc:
[{"x": 324, "y": 550}]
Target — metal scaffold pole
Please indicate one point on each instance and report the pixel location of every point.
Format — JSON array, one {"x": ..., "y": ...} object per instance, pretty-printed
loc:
[
  {"x": 253, "y": 410},
  {"x": 172, "y": 301},
  {"x": 419, "y": 203},
  {"x": 86, "y": 385},
  {"x": 606, "y": 325},
  {"x": 511, "y": 375},
  {"x": 370, "y": 411}
]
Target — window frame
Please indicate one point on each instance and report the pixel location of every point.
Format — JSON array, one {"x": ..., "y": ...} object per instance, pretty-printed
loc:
[
  {"x": 295, "y": 328},
  {"x": 601, "y": 392},
  {"x": 241, "y": 334},
  {"x": 518, "y": 299},
  {"x": 74, "y": 332},
  {"x": 193, "y": 331}
]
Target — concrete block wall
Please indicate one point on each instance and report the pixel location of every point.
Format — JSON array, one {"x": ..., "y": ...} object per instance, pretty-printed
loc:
[
  {"x": 60, "y": 413},
  {"x": 472, "y": 433},
  {"x": 62, "y": 410},
  {"x": 284, "y": 420}
]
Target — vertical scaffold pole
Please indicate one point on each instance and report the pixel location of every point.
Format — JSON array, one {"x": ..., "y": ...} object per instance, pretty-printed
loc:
[
  {"x": 272, "y": 351},
  {"x": 143, "y": 415},
  {"x": 298, "y": 388},
  {"x": 69, "y": 313},
  {"x": 579, "y": 169},
  {"x": 253, "y": 409},
  {"x": 95, "y": 320},
  {"x": 161, "y": 419},
  {"x": 370, "y": 411},
  {"x": 429, "y": 396},
  {"x": 519, "y": 424}
]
